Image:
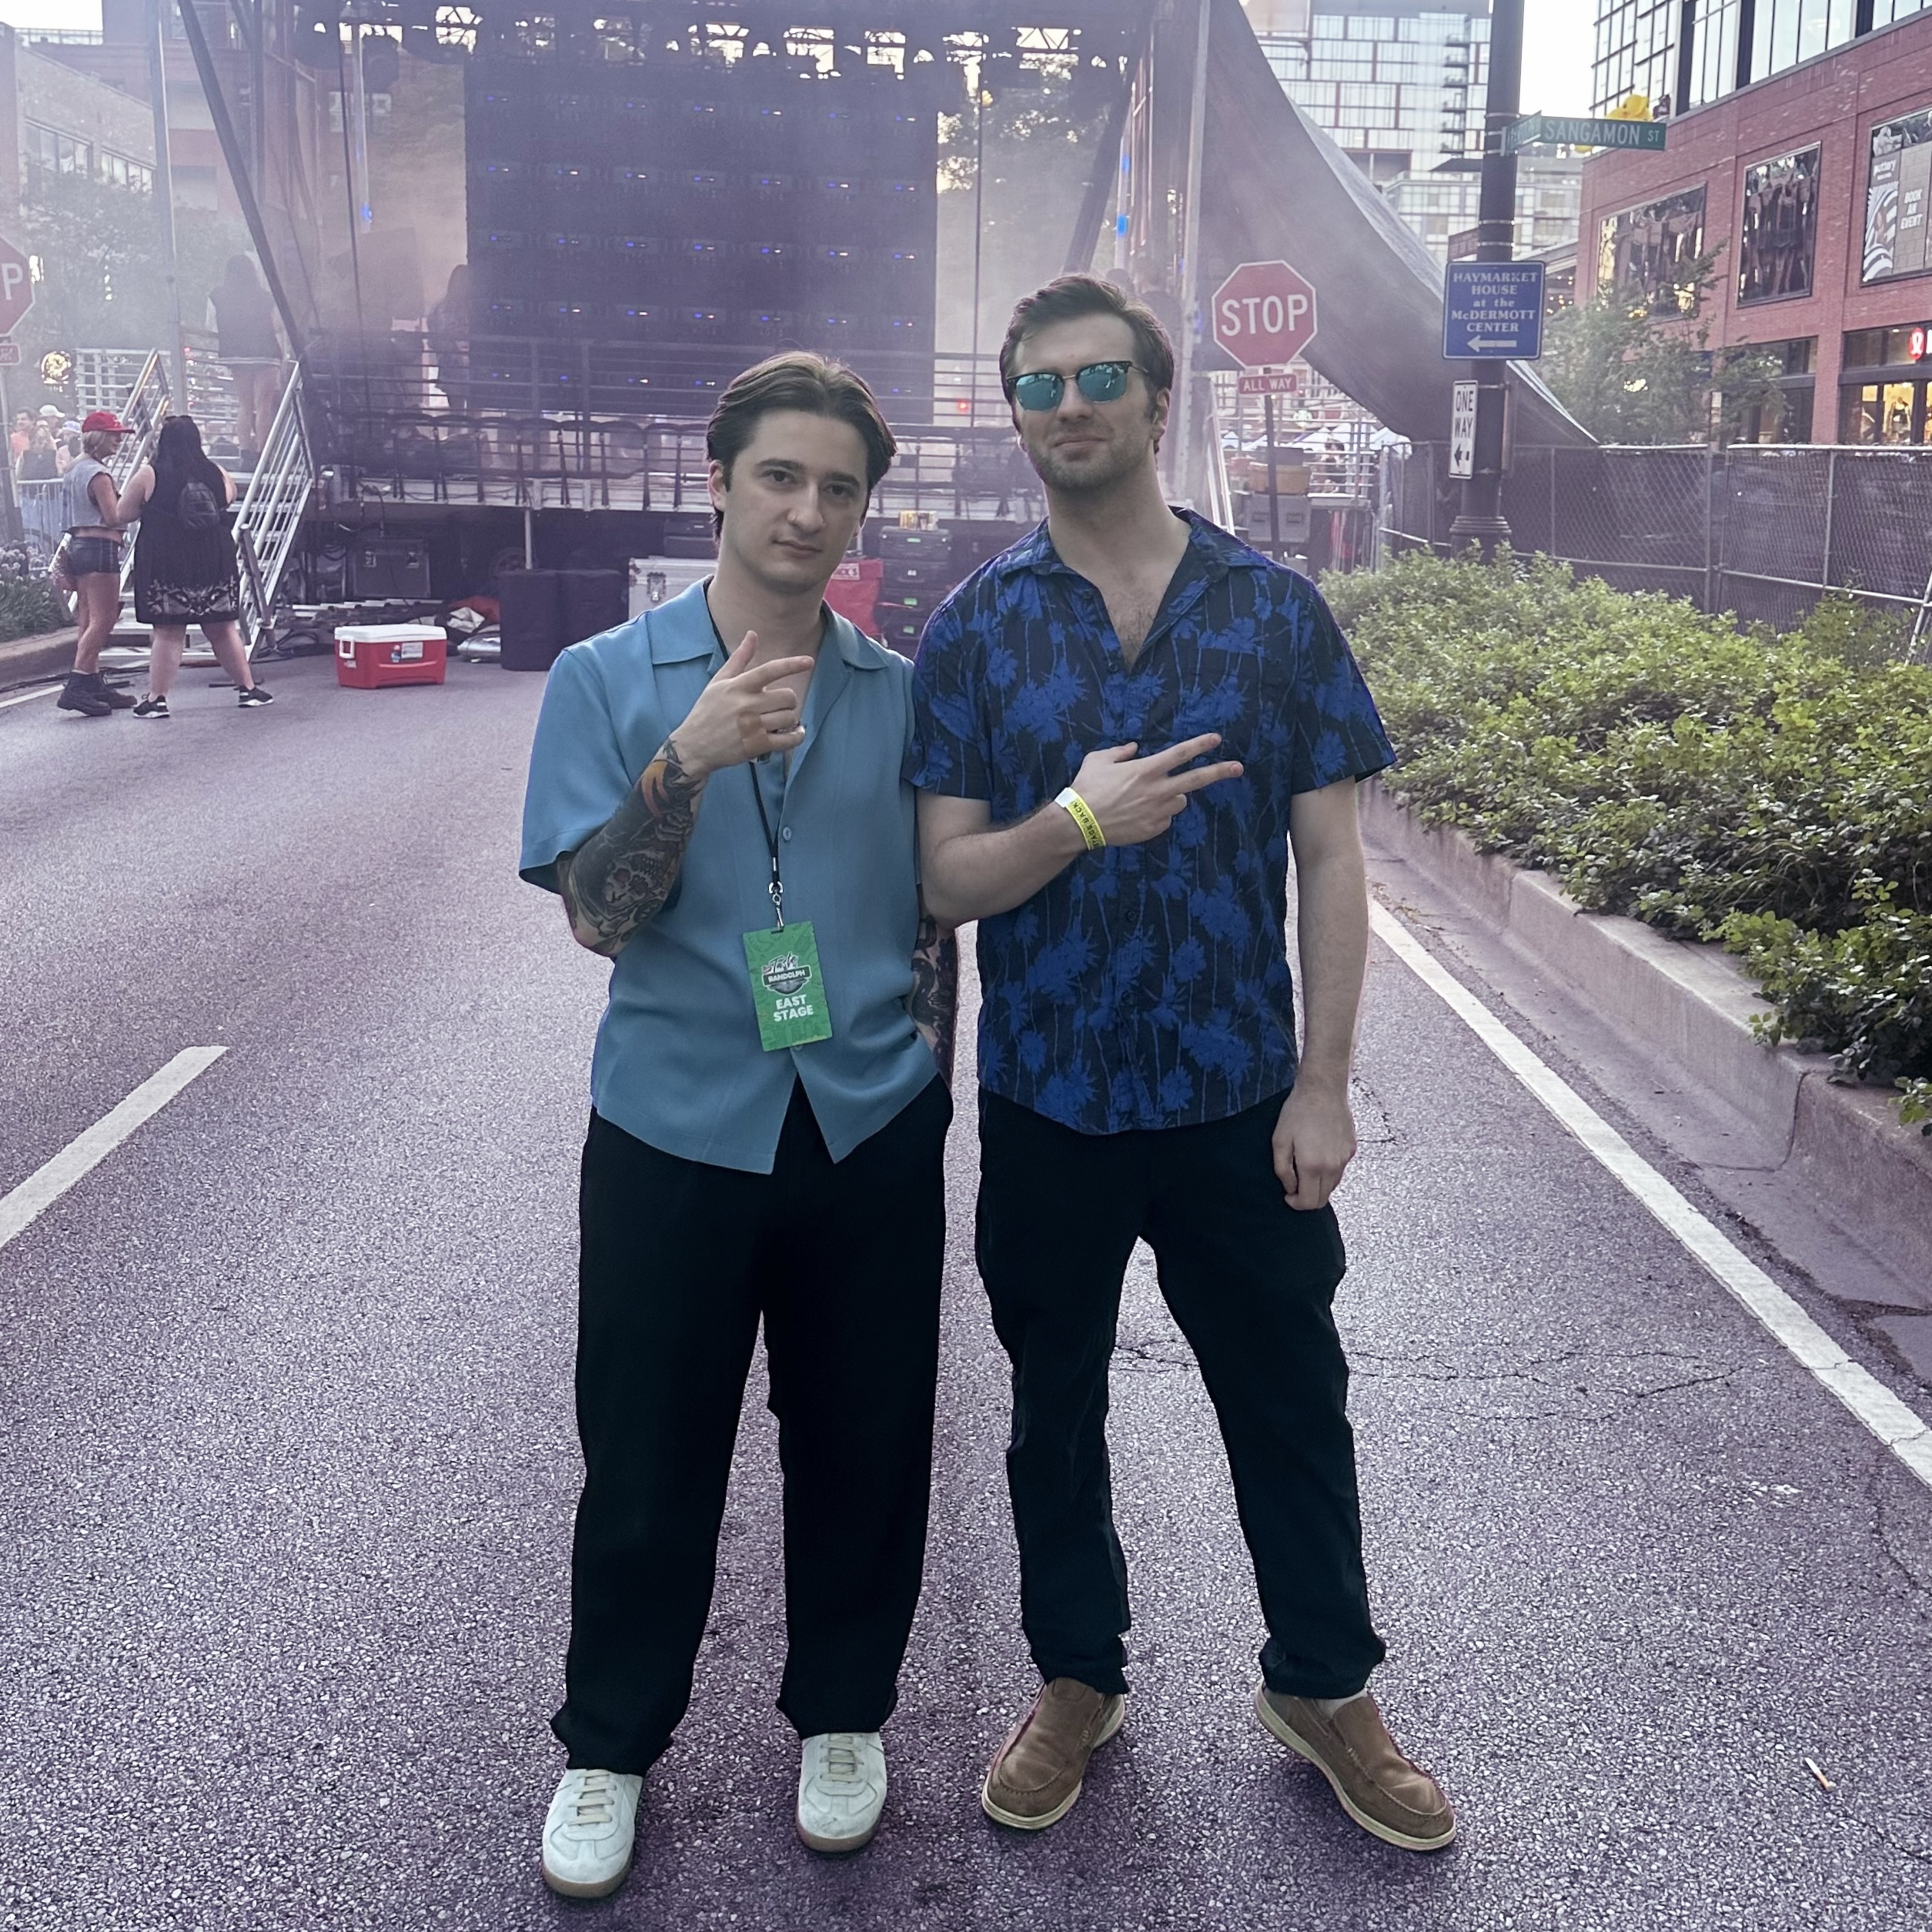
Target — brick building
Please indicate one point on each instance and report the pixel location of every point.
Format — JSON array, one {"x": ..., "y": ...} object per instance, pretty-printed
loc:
[{"x": 1812, "y": 188}]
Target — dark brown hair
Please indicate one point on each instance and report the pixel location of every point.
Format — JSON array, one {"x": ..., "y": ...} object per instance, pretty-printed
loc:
[
  {"x": 796, "y": 380},
  {"x": 1069, "y": 296}
]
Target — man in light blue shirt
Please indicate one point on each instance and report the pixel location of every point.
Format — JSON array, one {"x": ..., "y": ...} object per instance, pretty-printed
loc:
[{"x": 768, "y": 1122}]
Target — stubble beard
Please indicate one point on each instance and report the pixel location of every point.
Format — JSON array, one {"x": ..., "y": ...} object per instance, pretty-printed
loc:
[{"x": 1107, "y": 469}]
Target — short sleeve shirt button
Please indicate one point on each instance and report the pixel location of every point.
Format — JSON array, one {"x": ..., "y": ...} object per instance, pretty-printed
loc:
[{"x": 786, "y": 834}]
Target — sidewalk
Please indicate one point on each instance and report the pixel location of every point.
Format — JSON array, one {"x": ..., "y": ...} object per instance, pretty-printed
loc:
[
  {"x": 27, "y": 660},
  {"x": 1693, "y": 1005}
]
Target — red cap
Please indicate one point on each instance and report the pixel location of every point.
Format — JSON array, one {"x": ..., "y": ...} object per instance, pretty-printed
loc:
[{"x": 104, "y": 419}]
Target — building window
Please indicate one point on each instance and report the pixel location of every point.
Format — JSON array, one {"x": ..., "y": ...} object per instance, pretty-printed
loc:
[
  {"x": 1646, "y": 253},
  {"x": 1882, "y": 412},
  {"x": 1779, "y": 228},
  {"x": 1636, "y": 51},
  {"x": 118, "y": 172},
  {"x": 1897, "y": 189},
  {"x": 48, "y": 152}
]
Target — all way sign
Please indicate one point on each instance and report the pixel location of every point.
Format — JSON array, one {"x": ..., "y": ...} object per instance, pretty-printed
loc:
[{"x": 1493, "y": 310}]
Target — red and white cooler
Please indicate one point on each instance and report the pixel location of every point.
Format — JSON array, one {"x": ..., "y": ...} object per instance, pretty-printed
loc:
[{"x": 369, "y": 656}]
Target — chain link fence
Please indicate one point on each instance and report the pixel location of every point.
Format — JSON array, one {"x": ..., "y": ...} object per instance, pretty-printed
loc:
[{"x": 1763, "y": 532}]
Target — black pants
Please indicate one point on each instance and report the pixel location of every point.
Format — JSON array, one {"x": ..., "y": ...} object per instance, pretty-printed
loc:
[
  {"x": 680, "y": 1260},
  {"x": 1250, "y": 1280}
]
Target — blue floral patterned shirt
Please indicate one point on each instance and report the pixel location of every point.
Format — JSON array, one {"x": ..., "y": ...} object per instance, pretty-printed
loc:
[{"x": 1146, "y": 986}]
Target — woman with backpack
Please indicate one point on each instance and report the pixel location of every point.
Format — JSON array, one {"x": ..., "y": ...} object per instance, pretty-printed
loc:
[{"x": 185, "y": 567}]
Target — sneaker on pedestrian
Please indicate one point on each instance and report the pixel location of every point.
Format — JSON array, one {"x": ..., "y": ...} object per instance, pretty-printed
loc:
[
  {"x": 841, "y": 1789},
  {"x": 1350, "y": 1746},
  {"x": 256, "y": 695},
  {"x": 78, "y": 694},
  {"x": 588, "y": 1831},
  {"x": 152, "y": 707},
  {"x": 1035, "y": 1775}
]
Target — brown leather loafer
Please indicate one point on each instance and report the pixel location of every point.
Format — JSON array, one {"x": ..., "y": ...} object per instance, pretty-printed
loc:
[
  {"x": 1379, "y": 1788},
  {"x": 1035, "y": 1775}
]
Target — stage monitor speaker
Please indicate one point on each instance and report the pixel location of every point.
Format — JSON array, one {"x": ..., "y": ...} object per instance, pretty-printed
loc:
[{"x": 531, "y": 617}]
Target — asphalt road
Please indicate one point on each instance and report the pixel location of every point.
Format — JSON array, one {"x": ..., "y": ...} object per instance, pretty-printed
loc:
[{"x": 287, "y": 1464}]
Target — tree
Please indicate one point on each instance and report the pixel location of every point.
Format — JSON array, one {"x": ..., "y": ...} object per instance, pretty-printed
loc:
[
  {"x": 1629, "y": 376},
  {"x": 101, "y": 283}
]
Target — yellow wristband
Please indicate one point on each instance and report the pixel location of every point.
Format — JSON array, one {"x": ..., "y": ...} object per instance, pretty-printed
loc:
[{"x": 1082, "y": 815}]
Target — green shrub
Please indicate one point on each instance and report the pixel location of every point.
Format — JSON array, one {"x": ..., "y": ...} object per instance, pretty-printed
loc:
[
  {"x": 1774, "y": 792},
  {"x": 29, "y": 606}
]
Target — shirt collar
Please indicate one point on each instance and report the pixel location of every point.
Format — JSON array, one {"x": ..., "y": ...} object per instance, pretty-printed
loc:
[
  {"x": 1210, "y": 549},
  {"x": 681, "y": 629}
]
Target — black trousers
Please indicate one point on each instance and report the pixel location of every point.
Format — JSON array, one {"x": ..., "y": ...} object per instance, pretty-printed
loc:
[
  {"x": 1250, "y": 1280},
  {"x": 680, "y": 1261}
]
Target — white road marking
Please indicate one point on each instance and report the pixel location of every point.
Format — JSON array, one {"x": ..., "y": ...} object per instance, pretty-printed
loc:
[
  {"x": 7, "y": 703},
  {"x": 1904, "y": 1433},
  {"x": 43, "y": 1188}
]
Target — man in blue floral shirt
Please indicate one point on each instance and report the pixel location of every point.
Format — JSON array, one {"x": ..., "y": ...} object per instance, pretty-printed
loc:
[{"x": 1124, "y": 726}]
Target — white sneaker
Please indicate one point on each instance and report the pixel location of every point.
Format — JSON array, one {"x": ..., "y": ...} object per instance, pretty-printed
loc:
[
  {"x": 841, "y": 1789},
  {"x": 587, "y": 1834}
]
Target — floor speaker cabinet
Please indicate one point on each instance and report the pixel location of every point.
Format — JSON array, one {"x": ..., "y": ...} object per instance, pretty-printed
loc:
[
  {"x": 593, "y": 601},
  {"x": 384, "y": 566},
  {"x": 531, "y": 619}
]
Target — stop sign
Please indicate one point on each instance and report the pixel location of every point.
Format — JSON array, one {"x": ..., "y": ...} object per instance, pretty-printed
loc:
[
  {"x": 1263, "y": 313},
  {"x": 16, "y": 287}
]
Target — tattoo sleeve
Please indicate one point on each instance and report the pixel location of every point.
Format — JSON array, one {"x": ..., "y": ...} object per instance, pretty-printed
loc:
[
  {"x": 934, "y": 1002},
  {"x": 622, "y": 873}
]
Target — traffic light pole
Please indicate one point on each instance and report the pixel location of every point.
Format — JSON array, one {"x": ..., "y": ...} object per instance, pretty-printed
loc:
[{"x": 1482, "y": 521}]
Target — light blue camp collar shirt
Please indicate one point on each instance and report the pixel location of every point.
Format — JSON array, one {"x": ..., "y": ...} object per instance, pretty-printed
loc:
[{"x": 678, "y": 1062}]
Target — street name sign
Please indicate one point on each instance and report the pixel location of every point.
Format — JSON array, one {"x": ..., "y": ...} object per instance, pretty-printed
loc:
[
  {"x": 1268, "y": 381},
  {"x": 1264, "y": 314},
  {"x": 9, "y": 355},
  {"x": 1462, "y": 430},
  {"x": 16, "y": 287},
  {"x": 1492, "y": 309},
  {"x": 1581, "y": 131}
]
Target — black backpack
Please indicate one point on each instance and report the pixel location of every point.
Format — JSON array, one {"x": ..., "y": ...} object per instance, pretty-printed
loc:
[{"x": 198, "y": 509}]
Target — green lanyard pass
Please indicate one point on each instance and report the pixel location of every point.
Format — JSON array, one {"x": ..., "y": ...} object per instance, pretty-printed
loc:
[{"x": 788, "y": 985}]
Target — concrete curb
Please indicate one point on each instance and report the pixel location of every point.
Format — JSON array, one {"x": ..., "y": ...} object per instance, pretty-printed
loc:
[
  {"x": 26, "y": 660},
  {"x": 1694, "y": 1003}
]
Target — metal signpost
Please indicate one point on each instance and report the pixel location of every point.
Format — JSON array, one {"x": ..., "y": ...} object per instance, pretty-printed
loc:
[
  {"x": 1492, "y": 309},
  {"x": 1491, "y": 320},
  {"x": 1264, "y": 316},
  {"x": 16, "y": 298}
]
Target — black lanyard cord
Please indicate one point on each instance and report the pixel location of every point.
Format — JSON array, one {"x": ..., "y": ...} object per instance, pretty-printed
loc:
[{"x": 777, "y": 888}]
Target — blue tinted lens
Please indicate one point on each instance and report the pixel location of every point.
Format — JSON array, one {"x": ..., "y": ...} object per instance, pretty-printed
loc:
[
  {"x": 1041, "y": 390},
  {"x": 1103, "y": 382}
]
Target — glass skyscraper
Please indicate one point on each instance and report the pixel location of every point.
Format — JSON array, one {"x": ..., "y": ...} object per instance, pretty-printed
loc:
[
  {"x": 1398, "y": 83},
  {"x": 1641, "y": 47}
]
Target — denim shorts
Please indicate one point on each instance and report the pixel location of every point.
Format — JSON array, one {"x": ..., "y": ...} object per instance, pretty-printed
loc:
[{"x": 93, "y": 555}]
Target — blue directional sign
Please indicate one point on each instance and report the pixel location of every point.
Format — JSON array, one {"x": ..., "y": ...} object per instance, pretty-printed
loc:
[{"x": 1493, "y": 310}]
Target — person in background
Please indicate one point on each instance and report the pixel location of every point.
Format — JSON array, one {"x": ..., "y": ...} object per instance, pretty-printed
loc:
[
  {"x": 20, "y": 438},
  {"x": 67, "y": 448},
  {"x": 90, "y": 554},
  {"x": 186, "y": 570},
  {"x": 448, "y": 334},
  {"x": 42, "y": 462},
  {"x": 242, "y": 317}
]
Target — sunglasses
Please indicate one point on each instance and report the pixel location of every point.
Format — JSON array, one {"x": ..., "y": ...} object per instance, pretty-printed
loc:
[{"x": 1098, "y": 382}]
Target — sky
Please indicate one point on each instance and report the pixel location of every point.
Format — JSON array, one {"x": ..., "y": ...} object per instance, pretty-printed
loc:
[{"x": 1555, "y": 49}]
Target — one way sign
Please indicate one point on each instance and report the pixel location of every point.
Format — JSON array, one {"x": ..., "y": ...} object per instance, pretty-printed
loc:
[{"x": 1493, "y": 310}]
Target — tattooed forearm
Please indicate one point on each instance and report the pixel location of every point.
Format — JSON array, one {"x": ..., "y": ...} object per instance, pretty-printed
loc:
[
  {"x": 934, "y": 1001},
  {"x": 623, "y": 873}
]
